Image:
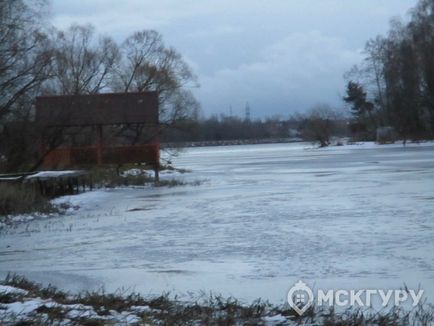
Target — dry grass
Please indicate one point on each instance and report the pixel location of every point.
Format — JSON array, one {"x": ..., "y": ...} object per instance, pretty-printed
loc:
[
  {"x": 22, "y": 199},
  {"x": 111, "y": 177},
  {"x": 212, "y": 310}
]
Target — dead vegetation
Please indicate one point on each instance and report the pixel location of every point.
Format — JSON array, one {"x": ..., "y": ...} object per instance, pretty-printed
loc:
[
  {"x": 106, "y": 309},
  {"x": 18, "y": 198},
  {"x": 22, "y": 199}
]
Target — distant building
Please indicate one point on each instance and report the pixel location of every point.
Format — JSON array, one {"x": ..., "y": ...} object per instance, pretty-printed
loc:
[{"x": 386, "y": 135}]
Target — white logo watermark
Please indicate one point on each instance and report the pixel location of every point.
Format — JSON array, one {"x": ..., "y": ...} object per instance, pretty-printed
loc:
[{"x": 301, "y": 297}]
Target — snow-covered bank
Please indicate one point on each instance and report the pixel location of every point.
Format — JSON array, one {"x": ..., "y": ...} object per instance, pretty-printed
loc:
[
  {"x": 26, "y": 303},
  {"x": 19, "y": 305},
  {"x": 42, "y": 306},
  {"x": 346, "y": 216},
  {"x": 91, "y": 198}
]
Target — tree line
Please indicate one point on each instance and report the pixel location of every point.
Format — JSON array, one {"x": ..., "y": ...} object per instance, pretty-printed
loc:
[
  {"x": 394, "y": 85},
  {"x": 392, "y": 88},
  {"x": 38, "y": 59},
  {"x": 319, "y": 124},
  {"x": 390, "y": 93}
]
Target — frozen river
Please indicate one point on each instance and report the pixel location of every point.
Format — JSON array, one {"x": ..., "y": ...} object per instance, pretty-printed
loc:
[{"x": 266, "y": 216}]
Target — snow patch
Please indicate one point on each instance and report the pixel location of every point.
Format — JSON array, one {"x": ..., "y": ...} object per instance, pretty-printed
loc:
[
  {"x": 55, "y": 174},
  {"x": 21, "y": 308},
  {"x": 137, "y": 172},
  {"x": 89, "y": 199},
  {"x": 6, "y": 289},
  {"x": 274, "y": 320}
]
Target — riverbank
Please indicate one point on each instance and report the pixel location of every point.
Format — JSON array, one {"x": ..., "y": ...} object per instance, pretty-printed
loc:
[
  {"x": 232, "y": 142},
  {"x": 23, "y": 302}
]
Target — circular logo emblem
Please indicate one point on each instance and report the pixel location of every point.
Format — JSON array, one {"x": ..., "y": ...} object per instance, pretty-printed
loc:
[{"x": 300, "y": 297}]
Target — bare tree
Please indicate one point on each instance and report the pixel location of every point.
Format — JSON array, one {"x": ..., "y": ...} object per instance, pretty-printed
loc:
[
  {"x": 320, "y": 125},
  {"x": 397, "y": 74},
  {"x": 374, "y": 65},
  {"x": 82, "y": 65},
  {"x": 25, "y": 52},
  {"x": 148, "y": 65},
  {"x": 422, "y": 32}
]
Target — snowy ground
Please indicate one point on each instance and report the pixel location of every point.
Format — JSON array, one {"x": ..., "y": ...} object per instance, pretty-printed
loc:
[{"x": 358, "y": 216}]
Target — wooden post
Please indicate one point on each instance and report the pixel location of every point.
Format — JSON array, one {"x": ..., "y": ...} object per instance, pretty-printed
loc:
[
  {"x": 157, "y": 155},
  {"x": 157, "y": 174},
  {"x": 77, "y": 185},
  {"x": 99, "y": 145}
]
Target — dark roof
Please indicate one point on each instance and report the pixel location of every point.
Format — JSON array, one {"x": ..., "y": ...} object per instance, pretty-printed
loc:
[{"x": 99, "y": 109}]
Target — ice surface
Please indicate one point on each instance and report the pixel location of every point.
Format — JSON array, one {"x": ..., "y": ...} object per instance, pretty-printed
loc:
[{"x": 357, "y": 216}]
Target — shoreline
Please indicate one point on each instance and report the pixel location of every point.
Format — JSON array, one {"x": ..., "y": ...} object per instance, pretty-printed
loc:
[{"x": 23, "y": 301}]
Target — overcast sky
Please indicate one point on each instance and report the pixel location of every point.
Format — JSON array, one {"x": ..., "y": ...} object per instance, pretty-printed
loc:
[{"x": 281, "y": 56}]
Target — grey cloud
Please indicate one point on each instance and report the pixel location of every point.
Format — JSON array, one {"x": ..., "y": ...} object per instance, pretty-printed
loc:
[
  {"x": 279, "y": 55},
  {"x": 301, "y": 66}
]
